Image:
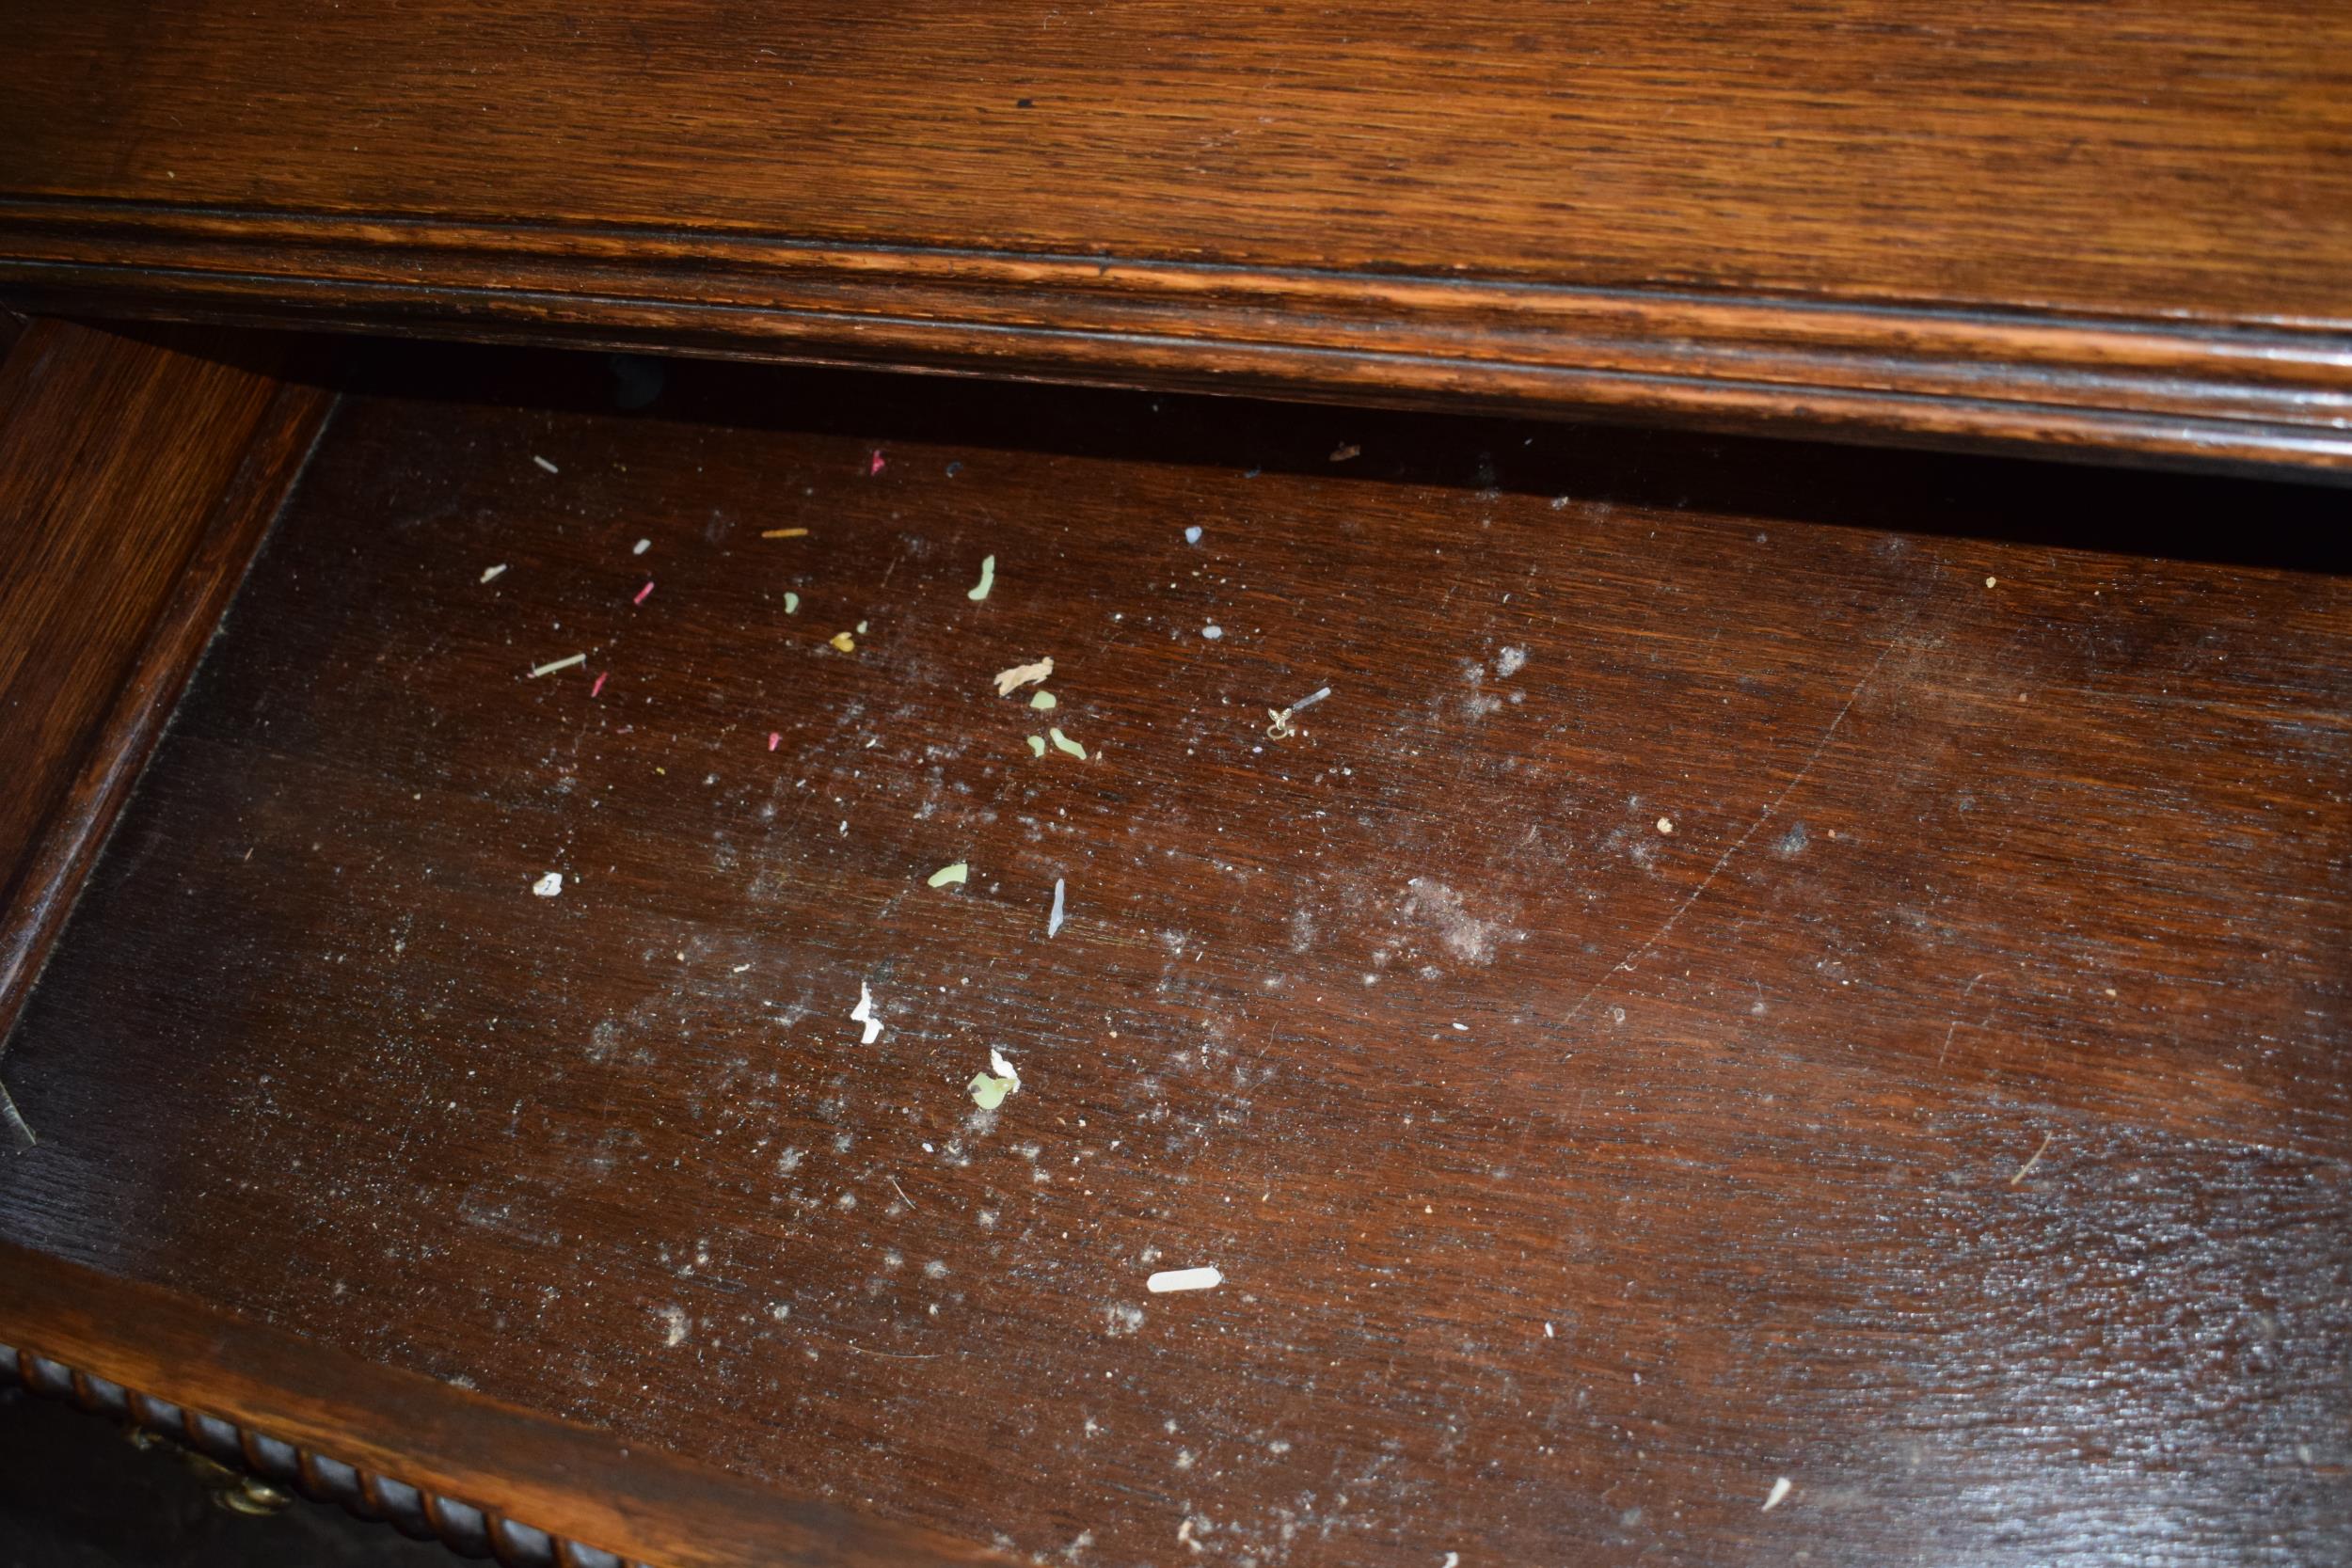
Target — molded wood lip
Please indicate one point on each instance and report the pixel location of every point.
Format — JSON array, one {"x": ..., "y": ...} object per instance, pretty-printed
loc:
[
  {"x": 2263, "y": 392},
  {"x": 578, "y": 1483}
]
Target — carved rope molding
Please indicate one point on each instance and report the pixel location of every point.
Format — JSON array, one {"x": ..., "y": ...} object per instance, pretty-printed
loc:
[{"x": 423, "y": 1515}]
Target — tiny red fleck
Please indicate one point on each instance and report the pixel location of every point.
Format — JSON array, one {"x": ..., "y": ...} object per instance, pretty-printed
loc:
[
  {"x": 876, "y": 466},
  {"x": 643, "y": 592},
  {"x": 775, "y": 738},
  {"x": 600, "y": 686}
]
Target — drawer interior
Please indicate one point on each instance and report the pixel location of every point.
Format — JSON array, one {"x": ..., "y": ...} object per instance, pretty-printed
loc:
[{"x": 1758, "y": 960}]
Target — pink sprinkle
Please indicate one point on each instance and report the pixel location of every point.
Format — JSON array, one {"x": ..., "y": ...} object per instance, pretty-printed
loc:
[
  {"x": 643, "y": 592},
  {"x": 877, "y": 467},
  {"x": 775, "y": 738},
  {"x": 600, "y": 686}
]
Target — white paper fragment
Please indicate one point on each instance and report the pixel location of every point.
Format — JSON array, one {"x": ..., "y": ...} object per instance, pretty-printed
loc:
[
  {"x": 1053, "y": 920},
  {"x": 1778, "y": 1494},
  {"x": 545, "y": 464},
  {"x": 1192, "y": 534},
  {"x": 553, "y": 665},
  {"x": 864, "y": 1013},
  {"x": 548, "y": 885},
  {"x": 642, "y": 547},
  {"x": 1184, "y": 1279},
  {"x": 489, "y": 574}
]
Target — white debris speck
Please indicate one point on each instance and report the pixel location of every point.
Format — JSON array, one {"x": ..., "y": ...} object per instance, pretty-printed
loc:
[
  {"x": 553, "y": 665},
  {"x": 1184, "y": 1279},
  {"x": 1779, "y": 1495},
  {"x": 674, "y": 1325},
  {"x": 548, "y": 885},
  {"x": 1666, "y": 825},
  {"x": 1053, "y": 918},
  {"x": 553, "y": 468},
  {"x": 1510, "y": 661},
  {"x": 1992, "y": 582},
  {"x": 1452, "y": 1560},
  {"x": 489, "y": 574},
  {"x": 1192, "y": 534},
  {"x": 864, "y": 1013},
  {"x": 641, "y": 547},
  {"x": 1009, "y": 681},
  {"x": 1212, "y": 632}
]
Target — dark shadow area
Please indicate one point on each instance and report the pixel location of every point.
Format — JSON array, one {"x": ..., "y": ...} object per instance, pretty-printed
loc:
[
  {"x": 2187, "y": 517},
  {"x": 75, "y": 1493}
]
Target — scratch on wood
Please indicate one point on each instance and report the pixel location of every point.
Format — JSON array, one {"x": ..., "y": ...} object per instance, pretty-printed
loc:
[
  {"x": 1672, "y": 919},
  {"x": 19, "y": 1128}
]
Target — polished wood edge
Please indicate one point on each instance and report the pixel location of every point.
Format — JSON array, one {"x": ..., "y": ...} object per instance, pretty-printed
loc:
[
  {"x": 580, "y": 1486},
  {"x": 2274, "y": 394},
  {"x": 420, "y": 1515},
  {"x": 113, "y": 749}
]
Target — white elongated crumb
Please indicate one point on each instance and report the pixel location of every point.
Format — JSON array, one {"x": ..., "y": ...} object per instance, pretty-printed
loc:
[
  {"x": 545, "y": 464},
  {"x": 1010, "y": 681},
  {"x": 641, "y": 547},
  {"x": 489, "y": 574},
  {"x": 1053, "y": 918},
  {"x": 1004, "y": 1069},
  {"x": 548, "y": 885},
  {"x": 1184, "y": 1279},
  {"x": 1779, "y": 1495},
  {"x": 553, "y": 665},
  {"x": 864, "y": 1013}
]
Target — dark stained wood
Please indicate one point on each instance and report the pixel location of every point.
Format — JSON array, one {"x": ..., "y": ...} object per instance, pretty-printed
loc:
[
  {"x": 2119, "y": 228},
  {"x": 125, "y": 1340},
  {"x": 137, "y": 479},
  {"x": 1948, "y": 1115}
]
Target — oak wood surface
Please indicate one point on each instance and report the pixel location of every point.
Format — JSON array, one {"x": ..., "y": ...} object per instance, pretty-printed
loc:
[
  {"x": 2121, "y": 226},
  {"x": 1759, "y": 969},
  {"x": 137, "y": 479}
]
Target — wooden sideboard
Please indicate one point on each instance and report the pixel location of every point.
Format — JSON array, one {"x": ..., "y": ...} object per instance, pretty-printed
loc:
[{"x": 1691, "y": 812}]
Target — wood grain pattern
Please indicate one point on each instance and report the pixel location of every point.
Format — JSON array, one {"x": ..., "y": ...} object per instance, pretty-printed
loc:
[
  {"x": 137, "y": 479},
  {"x": 2119, "y": 228},
  {"x": 1760, "y": 968},
  {"x": 290, "y": 1397}
]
